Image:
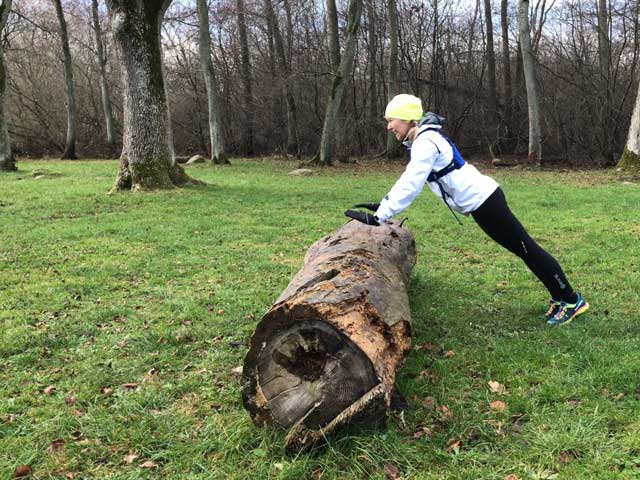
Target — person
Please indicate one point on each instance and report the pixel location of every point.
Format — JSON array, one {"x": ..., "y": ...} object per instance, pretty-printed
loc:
[{"x": 435, "y": 161}]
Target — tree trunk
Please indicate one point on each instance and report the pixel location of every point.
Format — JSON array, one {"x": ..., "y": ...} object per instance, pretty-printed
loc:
[
  {"x": 70, "y": 146},
  {"x": 247, "y": 147},
  {"x": 104, "y": 85},
  {"x": 329, "y": 348},
  {"x": 283, "y": 64},
  {"x": 535, "y": 147},
  {"x": 491, "y": 68},
  {"x": 339, "y": 83},
  {"x": 218, "y": 154},
  {"x": 373, "y": 113},
  {"x": 147, "y": 161},
  {"x": 606, "y": 89},
  {"x": 7, "y": 160},
  {"x": 506, "y": 68},
  {"x": 394, "y": 149},
  {"x": 630, "y": 159}
]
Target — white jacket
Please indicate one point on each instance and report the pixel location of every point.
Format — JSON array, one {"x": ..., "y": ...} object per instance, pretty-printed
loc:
[{"x": 466, "y": 187}]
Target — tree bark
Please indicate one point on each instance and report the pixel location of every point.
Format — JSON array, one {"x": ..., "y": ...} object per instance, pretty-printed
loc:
[
  {"x": 147, "y": 161},
  {"x": 506, "y": 67},
  {"x": 246, "y": 147},
  {"x": 328, "y": 350},
  {"x": 7, "y": 159},
  {"x": 339, "y": 84},
  {"x": 218, "y": 154},
  {"x": 630, "y": 159},
  {"x": 104, "y": 84},
  {"x": 533, "y": 102},
  {"x": 70, "y": 146},
  {"x": 606, "y": 89},
  {"x": 491, "y": 67},
  {"x": 394, "y": 149},
  {"x": 283, "y": 64}
]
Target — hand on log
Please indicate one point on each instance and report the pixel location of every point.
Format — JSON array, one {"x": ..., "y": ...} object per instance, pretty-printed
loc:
[{"x": 328, "y": 350}]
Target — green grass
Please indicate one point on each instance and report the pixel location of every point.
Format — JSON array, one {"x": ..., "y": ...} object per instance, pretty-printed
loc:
[{"x": 164, "y": 290}]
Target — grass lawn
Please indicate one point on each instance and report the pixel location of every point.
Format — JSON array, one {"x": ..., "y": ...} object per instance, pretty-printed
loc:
[{"x": 123, "y": 316}]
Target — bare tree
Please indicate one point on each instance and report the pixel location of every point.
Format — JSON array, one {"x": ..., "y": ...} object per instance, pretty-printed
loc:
[
  {"x": 285, "y": 72},
  {"x": 7, "y": 160},
  {"x": 147, "y": 161},
  {"x": 218, "y": 154},
  {"x": 70, "y": 147},
  {"x": 247, "y": 94},
  {"x": 506, "y": 65},
  {"x": 630, "y": 159},
  {"x": 101, "y": 59},
  {"x": 533, "y": 102},
  {"x": 491, "y": 66},
  {"x": 339, "y": 83},
  {"x": 393, "y": 147}
]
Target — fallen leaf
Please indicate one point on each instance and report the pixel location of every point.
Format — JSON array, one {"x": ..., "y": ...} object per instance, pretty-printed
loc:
[
  {"x": 130, "y": 386},
  {"x": 22, "y": 471},
  {"x": 422, "y": 431},
  {"x": 56, "y": 446},
  {"x": 428, "y": 346},
  {"x": 122, "y": 343},
  {"x": 429, "y": 403},
  {"x": 50, "y": 390},
  {"x": 498, "y": 405},
  {"x": 77, "y": 413},
  {"x": 70, "y": 400},
  {"x": 70, "y": 476},
  {"x": 130, "y": 458},
  {"x": 221, "y": 311},
  {"x": 393, "y": 472},
  {"x": 106, "y": 390},
  {"x": 567, "y": 457},
  {"x": 237, "y": 370},
  {"x": 317, "y": 473},
  {"x": 496, "y": 387},
  {"x": 148, "y": 464},
  {"x": 619, "y": 396},
  {"x": 511, "y": 476},
  {"x": 453, "y": 445},
  {"x": 445, "y": 412},
  {"x": 449, "y": 353}
]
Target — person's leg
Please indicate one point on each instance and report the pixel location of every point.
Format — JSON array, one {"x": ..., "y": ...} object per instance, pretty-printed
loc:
[{"x": 498, "y": 222}]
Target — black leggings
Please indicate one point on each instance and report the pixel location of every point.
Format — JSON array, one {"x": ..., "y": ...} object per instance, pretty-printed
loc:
[{"x": 497, "y": 221}]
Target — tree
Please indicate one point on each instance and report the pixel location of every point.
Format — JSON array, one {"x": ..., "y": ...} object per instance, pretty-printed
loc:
[
  {"x": 339, "y": 83},
  {"x": 393, "y": 147},
  {"x": 147, "y": 161},
  {"x": 285, "y": 72},
  {"x": 533, "y": 102},
  {"x": 506, "y": 65},
  {"x": 7, "y": 160},
  {"x": 101, "y": 59},
  {"x": 630, "y": 159},
  {"x": 70, "y": 146},
  {"x": 246, "y": 146},
  {"x": 218, "y": 154},
  {"x": 491, "y": 67}
]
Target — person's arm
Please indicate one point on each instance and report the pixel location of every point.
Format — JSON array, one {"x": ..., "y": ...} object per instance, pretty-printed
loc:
[{"x": 411, "y": 182}]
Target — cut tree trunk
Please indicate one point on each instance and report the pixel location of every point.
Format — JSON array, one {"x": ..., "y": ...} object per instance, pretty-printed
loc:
[{"x": 328, "y": 350}]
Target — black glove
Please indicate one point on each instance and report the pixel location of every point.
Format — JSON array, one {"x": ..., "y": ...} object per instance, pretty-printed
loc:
[
  {"x": 369, "y": 206},
  {"x": 364, "y": 217}
]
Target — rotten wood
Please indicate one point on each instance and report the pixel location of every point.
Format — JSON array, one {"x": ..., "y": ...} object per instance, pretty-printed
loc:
[{"x": 328, "y": 350}]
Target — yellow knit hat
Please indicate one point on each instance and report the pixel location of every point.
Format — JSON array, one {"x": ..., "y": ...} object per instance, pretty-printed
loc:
[{"x": 404, "y": 107}]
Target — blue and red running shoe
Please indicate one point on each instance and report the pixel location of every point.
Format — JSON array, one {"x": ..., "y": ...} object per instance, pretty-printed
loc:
[{"x": 569, "y": 311}]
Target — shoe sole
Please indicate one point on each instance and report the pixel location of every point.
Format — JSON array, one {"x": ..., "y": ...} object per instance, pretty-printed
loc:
[{"x": 580, "y": 311}]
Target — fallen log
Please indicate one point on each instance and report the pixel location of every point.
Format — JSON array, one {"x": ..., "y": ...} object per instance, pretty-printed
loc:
[{"x": 328, "y": 350}]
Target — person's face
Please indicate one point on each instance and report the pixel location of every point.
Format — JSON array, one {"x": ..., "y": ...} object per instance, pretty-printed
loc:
[{"x": 400, "y": 128}]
